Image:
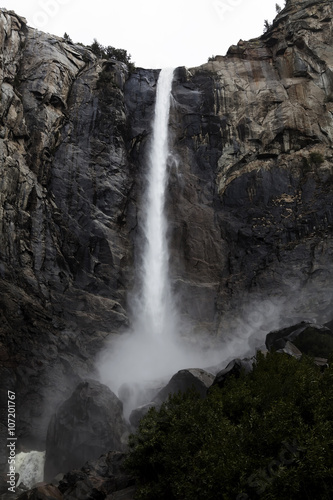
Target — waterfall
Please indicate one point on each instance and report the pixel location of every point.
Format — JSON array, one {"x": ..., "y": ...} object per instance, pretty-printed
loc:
[
  {"x": 155, "y": 312},
  {"x": 152, "y": 350},
  {"x": 30, "y": 467},
  {"x": 149, "y": 351}
]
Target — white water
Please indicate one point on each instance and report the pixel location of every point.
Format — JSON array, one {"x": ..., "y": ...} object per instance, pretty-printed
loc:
[
  {"x": 155, "y": 312},
  {"x": 149, "y": 351},
  {"x": 30, "y": 467},
  {"x": 153, "y": 350}
]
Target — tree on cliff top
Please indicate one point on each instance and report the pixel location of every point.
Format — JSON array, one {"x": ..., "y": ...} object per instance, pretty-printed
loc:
[{"x": 110, "y": 52}]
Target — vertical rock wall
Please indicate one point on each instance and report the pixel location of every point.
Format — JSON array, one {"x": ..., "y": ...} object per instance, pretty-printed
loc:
[{"x": 249, "y": 197}]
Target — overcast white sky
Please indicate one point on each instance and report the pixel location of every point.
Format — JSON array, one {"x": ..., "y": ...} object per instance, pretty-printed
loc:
[{"x": 156, "y": 34}]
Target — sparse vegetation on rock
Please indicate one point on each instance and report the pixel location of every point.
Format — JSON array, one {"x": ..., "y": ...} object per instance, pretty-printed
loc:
[{"x": 110, "y": 52}]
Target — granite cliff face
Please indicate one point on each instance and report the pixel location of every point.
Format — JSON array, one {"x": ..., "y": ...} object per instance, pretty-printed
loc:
[
  {"x": 249, "y": 195},
  {"x": 254, "y": 137}
]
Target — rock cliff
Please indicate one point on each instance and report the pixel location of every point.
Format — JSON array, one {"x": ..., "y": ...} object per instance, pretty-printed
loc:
[{"x": 249, "y": 196}]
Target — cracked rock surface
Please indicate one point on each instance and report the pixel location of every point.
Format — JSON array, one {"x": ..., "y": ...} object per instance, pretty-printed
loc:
[{"x": 249, "y": 197}]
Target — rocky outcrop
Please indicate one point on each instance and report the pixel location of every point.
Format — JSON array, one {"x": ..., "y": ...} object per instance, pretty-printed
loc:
[
  {"x": 191, "y": 379},
  {"x": 88, "y": 424},
  {"x": 235, "y": 368},
  {"x": 138, "y": 413},
  {"x": 254, "y": 145},
  {"x": 249, "y": 197},
  {"x": 185, "y": 380},
  {"x": 313, "y": 340},
  {"x": 64, "y": 248}
]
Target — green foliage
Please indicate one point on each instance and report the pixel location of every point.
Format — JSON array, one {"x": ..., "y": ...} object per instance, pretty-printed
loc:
[
  {"x": 67, "y": 38},
  {"x": 97, "y": 49},
  {"x": 105, "y": 79},
  {"x": 306, "y": 167},
  {"x": 112, "y": 53},
  {"x": 266, "y": 25},
  {"x": 316, "y": 158},
  {"x": 264, "y": 435}
]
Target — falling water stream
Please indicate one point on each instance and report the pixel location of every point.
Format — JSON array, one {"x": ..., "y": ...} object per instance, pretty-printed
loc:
[
  {"x": 152, "y": 350},
  {"x": 156, "y": 312}
]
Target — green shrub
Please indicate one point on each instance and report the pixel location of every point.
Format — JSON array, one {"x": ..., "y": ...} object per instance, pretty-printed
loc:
[
  {"x": 316, "y": 158},
  {"x": 67, "y": 38},
  {"x": 306, "y": 167},
  {"x": 112, "y": 53},
  {"x": 105, "y": 78},
  {"x": 268, "y": 434}
]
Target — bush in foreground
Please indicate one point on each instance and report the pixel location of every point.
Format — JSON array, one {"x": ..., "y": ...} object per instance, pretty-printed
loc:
[{"x": 268, "y": 434}]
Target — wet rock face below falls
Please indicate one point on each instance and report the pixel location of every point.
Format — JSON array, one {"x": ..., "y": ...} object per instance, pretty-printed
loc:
[{"x": 249, "y": 197}]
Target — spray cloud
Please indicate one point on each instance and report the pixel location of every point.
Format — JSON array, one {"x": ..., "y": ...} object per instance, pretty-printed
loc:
[{"x": 153, "y": 349}]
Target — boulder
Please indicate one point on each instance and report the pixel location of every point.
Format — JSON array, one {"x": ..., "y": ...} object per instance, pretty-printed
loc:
[
  {"x": 311, "y": 339},
  {"x": 42, "y": 492},
  {"x": 98, "y": 479},
  {"x": 86, "y": 425},
  {"x": 137, "y": 414},
  {"x": 290, "y": 349},
  {"x": 235, "y": 367},
  {"x": 194, "y": 378}
]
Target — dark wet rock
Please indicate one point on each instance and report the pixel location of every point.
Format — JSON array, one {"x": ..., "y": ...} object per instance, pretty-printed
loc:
[
  {"x": 88, "y": 424},
  {"x": 137, "y": 414},
  {"x": 98, "y": 479},
  {"x": 291, "y": 350},
  {"x": 278, "y": 339},
  {"x": 234, "y": 368},
  {"x": 312, "y": 339},
  {"x": 184, "y": 380},
  {"x": 42, "y": 492}
]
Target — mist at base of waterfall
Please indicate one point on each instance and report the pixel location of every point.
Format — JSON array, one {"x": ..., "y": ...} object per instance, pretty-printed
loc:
[
  {"x": 136, "y": 364},
  {"x": 139, "y": 364}
]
